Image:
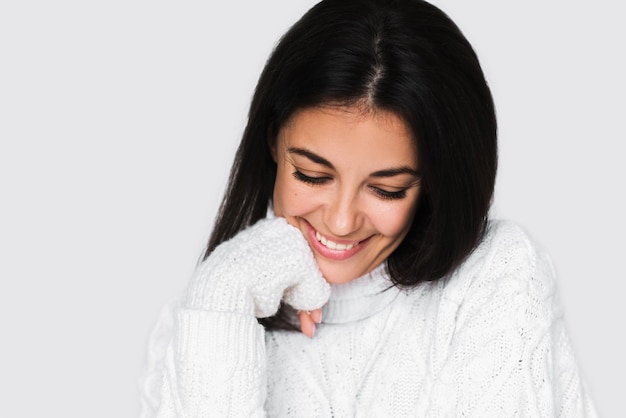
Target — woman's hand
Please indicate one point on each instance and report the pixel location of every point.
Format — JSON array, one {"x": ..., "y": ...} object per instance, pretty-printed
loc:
[
  {"x": 252, "y": 272},
  {"x": 308, "y": 321}
]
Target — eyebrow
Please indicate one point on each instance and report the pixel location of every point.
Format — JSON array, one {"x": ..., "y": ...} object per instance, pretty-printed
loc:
[
  {"x": 311, "y": 156},
  {"x": 389, "y": 172},
  {"x": 392, "y": 172}
]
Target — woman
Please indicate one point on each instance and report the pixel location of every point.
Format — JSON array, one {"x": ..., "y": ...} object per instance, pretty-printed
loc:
[{"x": 356, "y": 212}]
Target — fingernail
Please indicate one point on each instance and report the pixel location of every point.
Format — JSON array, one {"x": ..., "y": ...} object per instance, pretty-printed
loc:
[{"x": 316, "y": 316}]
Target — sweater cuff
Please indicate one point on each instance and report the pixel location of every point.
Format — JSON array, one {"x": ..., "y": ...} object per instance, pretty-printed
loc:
[
  {"x": 220, "y": 363},
  {"x": 221, "y": 340}
]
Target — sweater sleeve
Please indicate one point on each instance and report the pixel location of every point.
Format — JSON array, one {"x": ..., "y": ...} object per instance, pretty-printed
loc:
[
  {"x": 509, "y": 353},
  {"x": 214, "y": 366},
  {"x": 203, "y": 364},
  {"x": 214, "y": 363}
]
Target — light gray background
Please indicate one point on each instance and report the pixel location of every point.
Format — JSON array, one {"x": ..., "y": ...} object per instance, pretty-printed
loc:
[{"x": 118, "y": 122}]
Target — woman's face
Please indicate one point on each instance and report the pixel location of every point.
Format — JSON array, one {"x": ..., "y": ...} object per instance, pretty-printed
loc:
[{"x": 349, "y": 180}]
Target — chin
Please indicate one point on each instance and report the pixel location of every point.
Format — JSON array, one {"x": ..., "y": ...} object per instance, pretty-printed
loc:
[{"x": 335, "y": 274}]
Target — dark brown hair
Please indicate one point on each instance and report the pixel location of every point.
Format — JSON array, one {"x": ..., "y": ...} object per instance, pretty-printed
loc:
[{"x": 403, "y": 56}]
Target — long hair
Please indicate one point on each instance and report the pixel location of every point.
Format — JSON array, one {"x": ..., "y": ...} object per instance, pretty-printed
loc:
[{"x": 403, "y": 56}]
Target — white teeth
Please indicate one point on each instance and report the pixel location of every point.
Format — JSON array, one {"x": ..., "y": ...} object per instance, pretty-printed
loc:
[{"x": 333, "y": 245}]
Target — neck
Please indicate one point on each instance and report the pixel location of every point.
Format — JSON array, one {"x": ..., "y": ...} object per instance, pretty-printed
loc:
[{"x": 361, "y": 297}]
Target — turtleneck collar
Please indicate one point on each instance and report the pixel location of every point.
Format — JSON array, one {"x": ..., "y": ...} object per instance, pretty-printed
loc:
[{"x": 360, "y": 298}]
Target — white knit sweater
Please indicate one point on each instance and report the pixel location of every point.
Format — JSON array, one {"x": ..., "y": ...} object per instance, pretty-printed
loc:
[{"x": 487, "y": 341}]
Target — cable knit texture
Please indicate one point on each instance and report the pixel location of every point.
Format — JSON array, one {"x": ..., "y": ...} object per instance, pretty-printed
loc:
[
  {"x": 487, "y": 341},
  {"x": 239, "y": 276}
]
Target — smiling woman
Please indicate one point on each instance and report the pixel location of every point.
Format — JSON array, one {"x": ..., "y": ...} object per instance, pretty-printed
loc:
[
  {"x": 357, "y": 213},
  {"x": 348, "y": 179}
]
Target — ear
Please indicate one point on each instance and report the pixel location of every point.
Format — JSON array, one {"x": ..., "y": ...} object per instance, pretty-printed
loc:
[
  {"x": 272, "y": 145},
  {"x": 272, "y": 141}
]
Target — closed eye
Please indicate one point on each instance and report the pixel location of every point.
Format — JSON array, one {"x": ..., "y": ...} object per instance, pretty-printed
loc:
[
  {"x": 381, "y": 193},
  {"x": 298, "y": 175},
  {"x": 387, "y": 195}
]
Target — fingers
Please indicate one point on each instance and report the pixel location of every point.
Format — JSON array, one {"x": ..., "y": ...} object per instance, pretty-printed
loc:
[
  {"x": 309, "y": 292},
  {"x": 308, "y": 321},
  {"x": 316, "y": 316}
]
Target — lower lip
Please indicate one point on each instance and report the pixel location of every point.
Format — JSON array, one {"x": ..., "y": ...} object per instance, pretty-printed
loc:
[{"x": 329, "y": 253}]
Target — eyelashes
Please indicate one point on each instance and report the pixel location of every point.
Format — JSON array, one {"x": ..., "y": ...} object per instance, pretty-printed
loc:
[
  {"x": 385, "y": 194},
  {"x": 381, "y": 193},
  {"x": 310, "y": 180}
]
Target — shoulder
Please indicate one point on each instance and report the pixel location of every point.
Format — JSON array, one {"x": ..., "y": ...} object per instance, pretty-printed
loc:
[
  {"x": 501, "y": 339},
  {"x": 506, "y": 265},
  {"x": 508, "y": 249},
  {"x": 505, "y": 245}
]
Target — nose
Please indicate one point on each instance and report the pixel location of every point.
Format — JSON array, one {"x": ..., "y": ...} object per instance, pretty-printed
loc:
[{"x": 343, "y": 214}]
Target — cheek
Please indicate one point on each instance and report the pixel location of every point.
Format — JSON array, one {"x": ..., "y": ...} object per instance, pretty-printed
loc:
[
  {"x": 393, "y": 222},
  {"x": 291, "y": 199}
]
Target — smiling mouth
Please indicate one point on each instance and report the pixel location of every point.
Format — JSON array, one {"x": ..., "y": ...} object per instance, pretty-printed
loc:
[{"x": 333, "y": 245}]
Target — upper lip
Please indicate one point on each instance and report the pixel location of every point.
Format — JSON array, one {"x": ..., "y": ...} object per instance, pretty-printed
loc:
[
  {"x": 334, "y": 245},
  {"x": 335, "y": 240}
]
